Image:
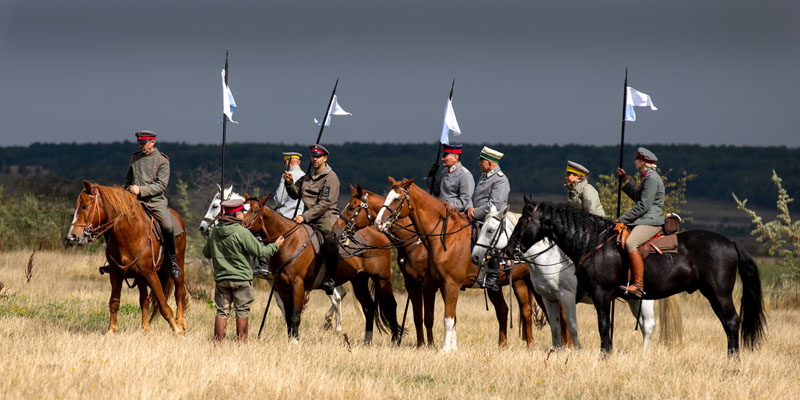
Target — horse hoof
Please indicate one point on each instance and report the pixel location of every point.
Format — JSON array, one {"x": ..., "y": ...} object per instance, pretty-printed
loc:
[
  {"x": 294, "y": 341},
  {"x": 111, "y": 332},
  {"x": 327, "y": 326}
]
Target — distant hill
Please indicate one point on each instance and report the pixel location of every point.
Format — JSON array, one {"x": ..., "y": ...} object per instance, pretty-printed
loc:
[{"x": 531, "y": 169}]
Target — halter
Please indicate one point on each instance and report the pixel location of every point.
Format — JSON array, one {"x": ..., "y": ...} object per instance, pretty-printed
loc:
[{"x": 395, "y": 214}]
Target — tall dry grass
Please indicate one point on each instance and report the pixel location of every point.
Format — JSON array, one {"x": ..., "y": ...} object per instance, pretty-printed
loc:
[{"x": 54, "y": 346}]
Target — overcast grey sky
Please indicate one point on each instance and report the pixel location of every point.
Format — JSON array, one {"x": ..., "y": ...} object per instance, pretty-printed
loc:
[{"x": 551, "y": 72}]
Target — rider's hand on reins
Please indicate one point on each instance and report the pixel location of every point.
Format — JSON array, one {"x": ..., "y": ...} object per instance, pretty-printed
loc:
[{"x": 299, "y": 219}]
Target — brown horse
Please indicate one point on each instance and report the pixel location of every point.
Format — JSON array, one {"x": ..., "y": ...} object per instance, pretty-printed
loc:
[
  {"x": 298, "y": 269},
  {"x": 446, "y": 235},
  {"x": 131, "y": 249}
]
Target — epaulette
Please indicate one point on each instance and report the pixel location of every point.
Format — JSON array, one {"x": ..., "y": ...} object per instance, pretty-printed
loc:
[
  {"x": 136, "y": 152},
  {"x": 165, "y": 156},
  {"x": 500, "y": 173},
  {"x": 647, "y": 172}
]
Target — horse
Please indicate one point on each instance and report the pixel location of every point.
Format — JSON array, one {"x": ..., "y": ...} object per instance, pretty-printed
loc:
[
  {"x": 333, "y": 318},
  {"x": 131, "y": 248},
  {"x": 553, "y": 276},
  {"x": 297, "y": 268},
  {"x": 706, "y": 261},
  {"x": 446, "y": 235}
]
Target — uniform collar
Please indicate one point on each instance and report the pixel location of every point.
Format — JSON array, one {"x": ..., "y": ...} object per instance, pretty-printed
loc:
[
  {"x": 295, "y": 168},
  {"x": 454, "y": 168},
  {"x": 323, "y": 172},
  {"x": 492, "y": 172}
]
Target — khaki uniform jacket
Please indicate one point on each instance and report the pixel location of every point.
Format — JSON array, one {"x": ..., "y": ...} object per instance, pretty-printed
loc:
[
  {"x": 492, "y": 189},
  {"x": 151, "y": 174},
  {"x": 228, "y": 247},
  {"x": 456, "y": 185},
  {"x": 583, "y": 196},
  {"x": 320, "y": 196},
  {"x": 648, "y": 200}
]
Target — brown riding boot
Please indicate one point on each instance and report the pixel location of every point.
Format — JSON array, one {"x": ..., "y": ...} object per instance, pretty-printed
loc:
[
  {"x": 219, "y": 328},
  {"x": 241, "y": 329},
  {"x": 637, "y": 271}
]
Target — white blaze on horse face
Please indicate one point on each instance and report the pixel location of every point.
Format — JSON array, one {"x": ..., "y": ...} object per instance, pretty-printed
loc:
[
  {"x": 449, "y": 335},
  {"x": 391, "y": 197},
  {"x": 74, "y": 218}
]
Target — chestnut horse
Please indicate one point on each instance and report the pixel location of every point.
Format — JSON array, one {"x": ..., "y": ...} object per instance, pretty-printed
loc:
[
  {"x": 131, "y": 248},
  {"x": 446, "y": 235},
  {"x": 298, "y": 269},
  {"x": 362, "y": 210}
]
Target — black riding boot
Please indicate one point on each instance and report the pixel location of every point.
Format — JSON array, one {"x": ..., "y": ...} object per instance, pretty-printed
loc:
[
  {"x": 492, "y": 274},
  {"x": 331, "y": 262},
  {"x": 262, "y": 268},
  {"x": 169, "y": 248}
]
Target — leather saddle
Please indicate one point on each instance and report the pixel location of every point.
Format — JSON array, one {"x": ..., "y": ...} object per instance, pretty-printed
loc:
[
  {"x": 661, "y": 243},
  {"x": 176, "y": 226}
]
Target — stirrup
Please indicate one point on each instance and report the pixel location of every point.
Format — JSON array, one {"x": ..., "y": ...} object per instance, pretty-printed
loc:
[{"x": 105, "y": 269}]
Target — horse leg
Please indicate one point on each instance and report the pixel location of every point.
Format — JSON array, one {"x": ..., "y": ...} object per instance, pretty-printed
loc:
[
  {"x": 525, "y": 310},
  {"x": 568, "y": 307},
  {"x": 726, "y": 312},
  {"x": 334, "y": 311},
  {"x": 602, "y": 304},
  {"x": 144, "y": 305},
  {"x": 181, "y": 301},
  {"x": 113, "y": 302},
  {"x": 450, "y": 296},
  {"x": 414, "y": 292},
  {"x": 361, "y": 291},
  {"x": 554, "y": 320},
  {"x": 298, "y": 296},
  {"x": 647, "y": 320},
  {"x": 166, "y": 311},
  {"x": 501, "y": 311},
  {"x": 429, "y": 304}
]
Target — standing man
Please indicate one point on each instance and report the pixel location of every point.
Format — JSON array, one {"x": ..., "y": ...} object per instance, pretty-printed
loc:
[
  {"x": 580, "y": 194},
  {"x": 147, "y": 178},
  {"x": 455, "y": 182},
  {"x": 228, "y": 247},
  {"x": 319, "y": 192},
  {"x": 492, "y": 189}
]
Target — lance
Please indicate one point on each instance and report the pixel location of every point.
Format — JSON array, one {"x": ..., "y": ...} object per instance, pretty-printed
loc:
[
  {"x": 297, "y": 207},
  {"x": 224, "y": 125},
  {"x": 622, "y": 140},
  {"x": 435, "y": 167}
]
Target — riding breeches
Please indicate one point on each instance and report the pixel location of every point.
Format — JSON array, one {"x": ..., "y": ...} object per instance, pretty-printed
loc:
[
  {"x": 639, "y": 235},
  {"x": 161, "y": 212}
]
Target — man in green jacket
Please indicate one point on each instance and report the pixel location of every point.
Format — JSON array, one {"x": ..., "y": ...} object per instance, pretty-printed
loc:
[
  {"x": 580, "y": 194},
  {"x": 147, "y": 178},
  {"x": 228, "y": 247}
]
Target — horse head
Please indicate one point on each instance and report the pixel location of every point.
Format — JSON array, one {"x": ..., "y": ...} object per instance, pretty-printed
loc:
[
  {"x": 356, "y": 213},
  {"x": 493, "y": 234},
  {"x": 88, "y": 215},
  {"x": 397, "y": 203},
  {"x": 529, "y": 228},
  {"x": 214, "y": 210}
]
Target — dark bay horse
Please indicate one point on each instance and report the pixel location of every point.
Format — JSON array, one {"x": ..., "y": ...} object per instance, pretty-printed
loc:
[
  {"x": 131, "y": 247},
  {"x": 706, "y": 261},
  {"x": 298, "y": 269},
  {"x": 362, "y": 210},
  {"x": 451, "y": 267}
]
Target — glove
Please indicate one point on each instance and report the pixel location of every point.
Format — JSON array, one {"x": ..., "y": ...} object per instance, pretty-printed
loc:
[{"x": 619, "y": 227}]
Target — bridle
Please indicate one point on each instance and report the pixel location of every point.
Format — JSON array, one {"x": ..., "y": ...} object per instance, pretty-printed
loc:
[
  {"x": 257, "y": 216},
  {"x": 395, "y": 214},
  {"x": 349, "y": 228},
  {"x": 91, "y": 232}
]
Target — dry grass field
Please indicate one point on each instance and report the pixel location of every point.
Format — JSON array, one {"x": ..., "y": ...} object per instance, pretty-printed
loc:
[{"x": 52, "y": 330}]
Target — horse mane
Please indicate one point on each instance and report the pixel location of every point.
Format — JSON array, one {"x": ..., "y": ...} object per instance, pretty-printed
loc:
[
  {"x": 442, "y": 207},
  {"x": 119, "y": 202},
  {"x": 582, "y": 229}
]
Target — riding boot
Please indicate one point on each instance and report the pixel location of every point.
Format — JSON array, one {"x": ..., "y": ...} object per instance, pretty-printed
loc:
[
  {"x": 637, "y": 271},
  {"x": 262, "y": 268},
  {"x": 492, "y": 275},
  {"x": 169, "y": 248},
  {"x": 219, "y": 328},
  {"x": 241, "y": 329},
  {"x": 331, "y": 262}
]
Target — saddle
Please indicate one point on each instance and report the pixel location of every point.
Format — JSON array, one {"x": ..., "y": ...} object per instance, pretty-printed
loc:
[
  {"x": 176, "y": 226},
  {"x": 347, "y": 248},
  {"x": 665, "y": 242}
]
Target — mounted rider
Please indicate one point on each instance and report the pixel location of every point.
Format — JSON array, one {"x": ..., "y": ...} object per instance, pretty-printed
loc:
[
  {"x": 492, "y": 189},
  {"x": 580, "y": 194},
  {"x": 319, "y": 192},
  {"x": 455, "y": 182},
  {"x": 147, "y": 178},
  {"x": 646, "y": 215}
]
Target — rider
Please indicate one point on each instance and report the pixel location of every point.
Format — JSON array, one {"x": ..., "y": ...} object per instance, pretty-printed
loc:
[
  {"x": 580, "y": 194},
  {"x": 646, "y": 215},
  {"x": 228, "y": 247},
  {"x": 282, "y": 203},
  {"x": 455, "y": 182},
  {"x": 147, "y": 178},
  {"x": 319, "y": 192},
  {"x": 492, "y": 189}
]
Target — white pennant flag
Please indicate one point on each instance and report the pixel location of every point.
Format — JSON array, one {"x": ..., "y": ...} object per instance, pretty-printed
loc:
[
  {"x": 228, "y": 103},
  {"x": 635, "y": 98},
  {"x": 335, "y": 109},
  {"x": 450, "y": 123}
]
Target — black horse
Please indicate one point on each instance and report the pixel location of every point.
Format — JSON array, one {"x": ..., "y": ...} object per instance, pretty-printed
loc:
[{"x": 706, "y": 261}]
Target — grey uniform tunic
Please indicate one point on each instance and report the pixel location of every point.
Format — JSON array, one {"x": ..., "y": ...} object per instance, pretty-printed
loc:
[
  {"x": 492, "y": 189},
  {"x": 284, "y": 204},
  {"x": 150, "y": 172},
  {"x": 456, "y": 186},
  {"x": 583, "y": 196},
  {"x": 648, "y": 200}
]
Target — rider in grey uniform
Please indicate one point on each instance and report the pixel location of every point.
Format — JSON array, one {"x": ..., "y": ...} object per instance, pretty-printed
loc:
[
  {"x": 455, "y": 182},
  {"x": 492, "y": 189}
]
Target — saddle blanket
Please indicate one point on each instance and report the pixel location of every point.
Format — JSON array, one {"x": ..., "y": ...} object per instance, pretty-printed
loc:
[{"x": 660, "y": 244}]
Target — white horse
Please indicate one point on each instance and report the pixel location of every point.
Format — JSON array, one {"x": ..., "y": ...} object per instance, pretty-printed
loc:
[
  {"x": 210, "y": 219},
  {"x": 553, "y": 276}
]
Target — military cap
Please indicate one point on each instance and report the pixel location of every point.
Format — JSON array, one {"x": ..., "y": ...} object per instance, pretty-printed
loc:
[
  {"x": 145, "y": 135},
  {"x": 451, "y": 148},
  {"x": 646, "y": 155},
  {"x": 491, "y": 154},
  {"x": 233, "y": 206},
  {"x": 290, "y": 154},
  {"x": 318, "y": 150},
  {"x": 576, "y": 168}
]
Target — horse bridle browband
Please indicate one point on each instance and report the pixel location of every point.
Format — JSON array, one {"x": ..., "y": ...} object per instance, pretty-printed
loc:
[{"x": 395, "y": 214}]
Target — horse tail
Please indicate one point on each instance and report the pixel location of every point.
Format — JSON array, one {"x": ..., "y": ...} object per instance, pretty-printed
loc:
[
  {"x": 754, "y": 319},
  {"x": 382, "y": 320},
  {"x": 167, "y": 286},
  {"x": 670, "y": 323}
]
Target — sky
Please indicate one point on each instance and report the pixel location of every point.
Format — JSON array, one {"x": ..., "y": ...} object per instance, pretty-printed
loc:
[{"x": 527, "y": 72}]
